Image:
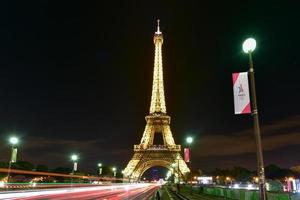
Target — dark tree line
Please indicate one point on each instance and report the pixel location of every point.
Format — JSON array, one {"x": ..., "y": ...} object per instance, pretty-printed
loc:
[{"x": 242, "y": 174}]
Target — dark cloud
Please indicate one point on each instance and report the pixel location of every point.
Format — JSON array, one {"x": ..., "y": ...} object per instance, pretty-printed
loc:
[
  {"x": 280, "y": 141},
  {"x": 274, "y": 136}
]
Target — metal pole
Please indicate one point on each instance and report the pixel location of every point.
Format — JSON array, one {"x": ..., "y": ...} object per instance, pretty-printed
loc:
[
  {"x": 9, "y": 164},
  {"x": 8, "y": 174},
  {"x": 191, "y": 174},
  {"x": 73, "y": 171},
  {"x": 260, "y": 162},
  {"x": 178, "y": 170},
  {"x": 115, "y": 174}
]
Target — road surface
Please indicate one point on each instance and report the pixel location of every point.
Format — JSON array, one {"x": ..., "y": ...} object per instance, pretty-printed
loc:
[{"x": 113, "y": 192}]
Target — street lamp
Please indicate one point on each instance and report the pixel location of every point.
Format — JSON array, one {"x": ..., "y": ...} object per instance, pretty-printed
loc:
[
  {"x": 178, "y": 179},
  {"x": 173, "y": 165},
  {"x": 189, "y": 141},
  {"x": 114, "y": 171},
  {"x": 248, "y": 47},
  {"x": 74, "y": 158},
  {"x": 178, "y": 158},
  {"x": 100, "y": 168},
  {"x": 13, "y": 141}
]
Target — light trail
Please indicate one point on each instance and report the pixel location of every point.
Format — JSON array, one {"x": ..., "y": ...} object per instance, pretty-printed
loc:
[
  {"x": 19, "y": 171},
  {"x": 119, "y": 191}
]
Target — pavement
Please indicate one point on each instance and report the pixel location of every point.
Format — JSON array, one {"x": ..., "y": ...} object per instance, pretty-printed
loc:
[{"x": 186, "y": 194}]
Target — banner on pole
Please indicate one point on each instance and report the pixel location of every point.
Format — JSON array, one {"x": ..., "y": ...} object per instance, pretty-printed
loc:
[
  {"x": 241, "y": 93},
  {"x": 187, "y": 154},
  {"x": 14, "y": 155}
]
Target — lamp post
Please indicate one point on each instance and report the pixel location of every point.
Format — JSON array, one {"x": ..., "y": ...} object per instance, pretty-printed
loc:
[
  {"x": 100, "y": 168},
  {"x": 114, "y": 169},
  {"x": 13, "y": 141},
  {"x": 173, "y": 169},
  {"x": 189, "y": 141},
  {"x": 74, "y": 158},
  {"x": 178, "y": 158},
  {"x": 248, "y": 47},
  {"x": 178, "y": 179}
]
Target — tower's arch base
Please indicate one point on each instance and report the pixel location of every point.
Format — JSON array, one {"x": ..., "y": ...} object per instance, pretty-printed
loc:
[{"x": 145, "y": 159}]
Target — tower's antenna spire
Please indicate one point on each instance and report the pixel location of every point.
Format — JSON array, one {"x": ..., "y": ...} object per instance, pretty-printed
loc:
[{"x": 158, "y": 31}]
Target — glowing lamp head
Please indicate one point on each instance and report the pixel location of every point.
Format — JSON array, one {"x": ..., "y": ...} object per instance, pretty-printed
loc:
[
  {"x": 99, "y": 164},
  {"x": 249, "y": 45},
  {"x": 13, "y": 140},
  {"x": 114, "y": 169},
  {"x": 74, "y": 157},
  {"x": 189, "y": 140}
]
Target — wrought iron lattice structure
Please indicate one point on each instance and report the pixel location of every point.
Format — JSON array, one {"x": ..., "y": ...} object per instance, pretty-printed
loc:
[{"x": 147, "y": 154}]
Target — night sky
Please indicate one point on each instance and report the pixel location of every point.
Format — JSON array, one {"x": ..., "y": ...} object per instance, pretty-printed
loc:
[{"x": 77, "y": 77}]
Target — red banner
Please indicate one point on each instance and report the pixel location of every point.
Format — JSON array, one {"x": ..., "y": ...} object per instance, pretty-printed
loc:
[{"x": 187, "y": 154}]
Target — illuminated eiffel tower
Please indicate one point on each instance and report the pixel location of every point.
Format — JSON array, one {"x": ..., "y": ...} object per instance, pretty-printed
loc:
[{"x": 147, "y": 154}]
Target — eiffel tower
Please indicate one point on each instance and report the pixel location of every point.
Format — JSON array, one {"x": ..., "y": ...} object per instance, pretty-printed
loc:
[{"x": 147, "y": 154}]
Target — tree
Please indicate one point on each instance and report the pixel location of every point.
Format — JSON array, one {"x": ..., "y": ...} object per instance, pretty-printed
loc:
[
  {"x": 24, "y": 165},
  {"x": 63, "y": 170},
  {"x": 41, "y": 168},
  {"x": 3, "y": 165},
  {"x": 275, "y": 172},
  {"x": 241, "y": 174}
]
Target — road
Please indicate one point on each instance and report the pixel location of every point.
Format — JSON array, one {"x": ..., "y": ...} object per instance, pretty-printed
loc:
[{"x": 113, "y": 192}]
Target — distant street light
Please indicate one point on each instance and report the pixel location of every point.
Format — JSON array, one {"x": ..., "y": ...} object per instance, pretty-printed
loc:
[
  {"x": 248, "y": 47},
  {"x": 189, "y": 140},
  {"x": 100, "y": 168},
  {"x": 74, "y": 157},
  {"x": 228, "y": 180},
  {"x": 13, "y": 141}
]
